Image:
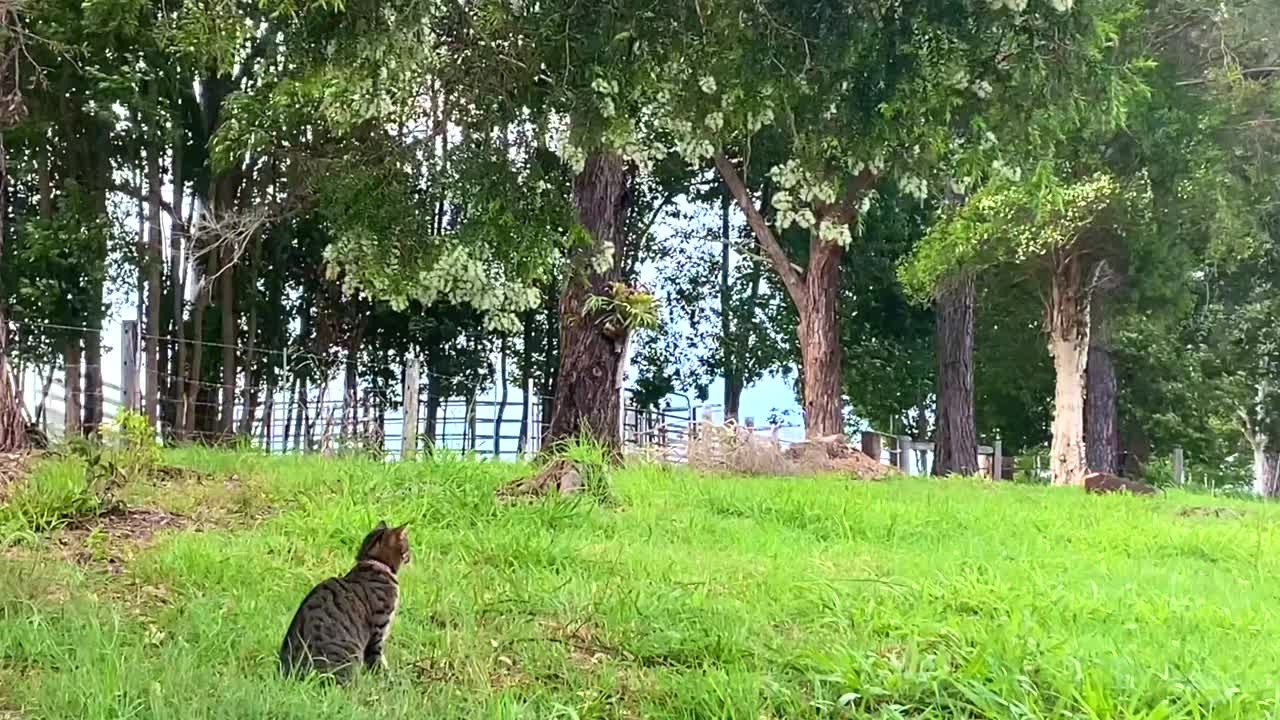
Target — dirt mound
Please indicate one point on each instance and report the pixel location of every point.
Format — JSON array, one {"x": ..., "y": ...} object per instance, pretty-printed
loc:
[
  {"x": 745, "y": 451},
  {"x": 834, "y": 454}
]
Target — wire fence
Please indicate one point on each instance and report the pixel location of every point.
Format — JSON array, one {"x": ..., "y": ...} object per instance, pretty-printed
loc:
[{"x": 310, "y": 407}]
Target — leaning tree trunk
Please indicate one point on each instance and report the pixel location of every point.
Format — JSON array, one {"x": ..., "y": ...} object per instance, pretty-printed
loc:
[
  {"x": 587, "y": 392},
  {"x": 957, "y": 446},
  {"x": 820, "y": 352},
  {"x": 814, "y": 292},
  {"x": 1102, "y": 421},
  {"x": 1068, "y": 325}
]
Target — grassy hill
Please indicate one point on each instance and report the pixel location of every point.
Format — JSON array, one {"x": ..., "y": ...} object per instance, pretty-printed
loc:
[{"x": 690, "y": 597}]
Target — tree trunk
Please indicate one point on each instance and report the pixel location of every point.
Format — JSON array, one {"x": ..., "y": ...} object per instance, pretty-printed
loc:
[
  {"x": 251, "y": 391},
  {"x": 728, "y": 352},
  {"x": 587, "y": 393},
  {"x": 227, "y": 308},
  {"x": 502, "y": 400},
  {"x": 1102, "y": 420},
  {"x": 957, "y": 438},
  {"x": 155, "y": 290},
  {"x": 433, "y": 411},
  {"x": 526, "y": 354},
  {"x": 177, "y": 288},
  {"x": 814, "y": 292},
  {"x": 93, "y": 379},
  {"x": 194, "y": 377},
  {"x": 12, "y": 422},
  {"x": 1068, "y": 324},
  {"x": 71, "y": 354},
  {"x": 820, "y": 352},
  {"x": 299, "y": 416},
  {"x": 1266, "y": 471},
  {"x": 351, "y": 381}
]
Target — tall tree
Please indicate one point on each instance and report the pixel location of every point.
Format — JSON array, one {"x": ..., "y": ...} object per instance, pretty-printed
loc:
[{"x": 843, "y": 105}]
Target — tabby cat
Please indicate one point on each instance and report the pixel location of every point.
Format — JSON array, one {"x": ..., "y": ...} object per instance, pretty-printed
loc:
[{"x": 345, "y": 620}]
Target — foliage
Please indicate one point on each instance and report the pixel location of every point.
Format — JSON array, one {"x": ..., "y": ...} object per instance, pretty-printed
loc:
[
  {"x": 624, "y": 309},
  {"x": 702, "y": 596},
  {"x": 1027, "y": 223}
]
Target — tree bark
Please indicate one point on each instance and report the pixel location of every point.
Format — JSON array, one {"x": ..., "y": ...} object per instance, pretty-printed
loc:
[
  {"x": 12, "y": 422},
  {"x": 732, "y": 379},
  {"x": 957, "y": 431},
  {"x": 433, "y": 411},
  {"x": 155, "y": 290},
  {"x": 227, "y": 325},
  {"x": 177, "y": 288},
  {"x": 820, "y": 351},
  {"x": 587, "y": 396},
  {"x": 1068, "y": 325},
  {"x": 251, "y": 390},
  {"x": 502, "y": 400},
  {"x": 1102, "y": 420},
  {"x": 71, "y": 354},
  {"x": 194, "y": 377},
  {"x": 526, "y": 354},
  {"x": 1266, "y": 471},
  {"x": 93, "y": 379}
]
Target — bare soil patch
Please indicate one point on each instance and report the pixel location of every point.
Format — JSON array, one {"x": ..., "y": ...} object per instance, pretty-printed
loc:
[{"x": 108, "y": 541}]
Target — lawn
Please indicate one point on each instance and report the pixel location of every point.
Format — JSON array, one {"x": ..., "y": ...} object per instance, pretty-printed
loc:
[{"x": 688, "y": 597}]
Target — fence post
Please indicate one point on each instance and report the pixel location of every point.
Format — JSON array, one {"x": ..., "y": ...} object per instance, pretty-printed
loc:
[
  {"x": 129, "y": 364},
  {"x": 997, "y": 461},
  {"x": 872, "y": 445},
  {"x": 409, "y": 435},
  {"x": 1179, "y": 467},
  {"x": 906, "y": 456}
]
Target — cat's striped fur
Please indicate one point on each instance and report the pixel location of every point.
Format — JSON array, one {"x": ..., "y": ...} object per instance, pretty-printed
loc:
[{"x": 343, "y": 622}]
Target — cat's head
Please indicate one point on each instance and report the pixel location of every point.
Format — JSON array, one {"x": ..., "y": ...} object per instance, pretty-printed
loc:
[{"x": 387, "y": 545}]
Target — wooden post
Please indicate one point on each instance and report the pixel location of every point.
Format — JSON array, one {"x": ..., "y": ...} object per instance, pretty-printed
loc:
[
  {"x": 872, "y": 445},
  {"x": 129, "y": 364},
  {"x": 409, "y": 435},
  {"x": 1179, "y": 467},
  {"x": 997, "y": 461},
  {"x": 906, "y": 456}
]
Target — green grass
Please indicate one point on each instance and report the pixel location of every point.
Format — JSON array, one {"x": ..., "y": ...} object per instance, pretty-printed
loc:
[{"x": 688, "y": 597}]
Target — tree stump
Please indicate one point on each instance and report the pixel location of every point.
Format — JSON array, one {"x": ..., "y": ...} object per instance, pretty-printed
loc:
[{"x": 561, "y": 476}]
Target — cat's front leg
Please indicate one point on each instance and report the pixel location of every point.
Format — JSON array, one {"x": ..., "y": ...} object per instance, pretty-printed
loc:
[{"x": 373, "y": 657}]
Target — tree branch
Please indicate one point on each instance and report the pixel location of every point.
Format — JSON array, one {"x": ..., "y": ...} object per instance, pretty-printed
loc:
[
  {"x": 137, "y": 194},
  {"x": 1258, "y": 73},
  {"x": 790, "y": 274},
  {"x": 848, "y": 207}
]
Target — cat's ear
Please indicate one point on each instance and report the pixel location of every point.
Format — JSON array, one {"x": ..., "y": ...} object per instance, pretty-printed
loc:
[
  {"x": 402, "y": 532},
  {"x": 382, "y": 525}
]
